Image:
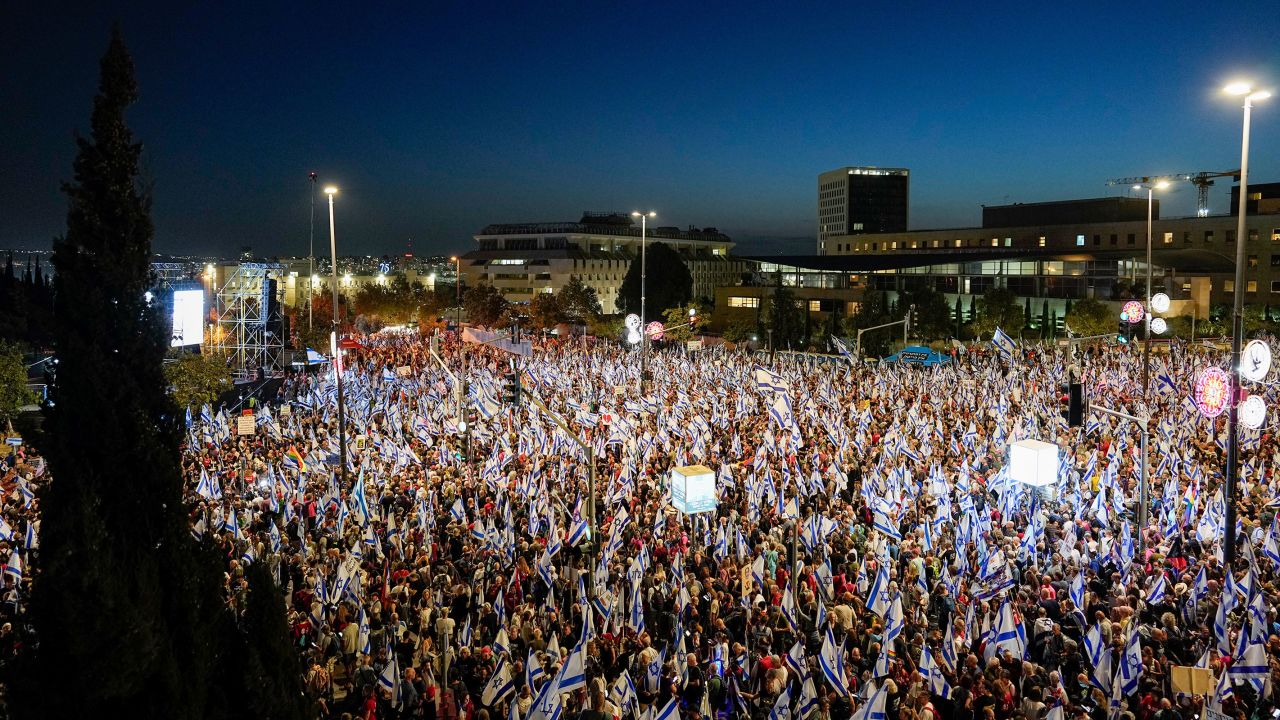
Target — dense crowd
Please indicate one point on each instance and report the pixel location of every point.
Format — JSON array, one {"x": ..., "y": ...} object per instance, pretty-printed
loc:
[{"x": 869, "y": 556}]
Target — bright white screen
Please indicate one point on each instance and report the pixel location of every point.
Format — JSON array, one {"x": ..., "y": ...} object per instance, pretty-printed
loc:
[{"x": 188, "y": 317}]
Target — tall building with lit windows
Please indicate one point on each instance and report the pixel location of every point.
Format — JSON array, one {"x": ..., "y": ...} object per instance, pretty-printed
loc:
[
  {"x": 857, "y": 200},
  {"x": 525, "y": 259}
]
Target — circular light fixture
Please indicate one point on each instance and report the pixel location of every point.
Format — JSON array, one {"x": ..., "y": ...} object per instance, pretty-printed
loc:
[
  {"x": 1133, "y": 312},
  {"x": 1160, "y": 302},
  {"x": 633, "y": 336},
  {"x": 654, "y": 330},
  {"x": 633, "y": 322},
  {"x": 1213, "y": 391},
  {"x": 1158, "y": 326},
  {"x": 1253, "y": 411},
  {"x": 1255, "y": 361}
]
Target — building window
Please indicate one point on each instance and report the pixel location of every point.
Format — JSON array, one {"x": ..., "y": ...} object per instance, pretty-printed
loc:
[
  {"x": 1168, "y": 238},
  {"x": 815, "y": 306},
  {"x": 1231, "y": 236},
  {"x": 1208, "y": 236},
  {"x": 875, "y": 246},
  {"x": 913, "y": 244},
  {"x": 1041, "y": 241},
  {"x": 1275, "y": 234},
  {"x": 995, "y": 242},
  {"x": 1114, "y": 238},
  {"x": 857, "y": 226},
  {"x": 957, "y": 243},
  {"x": 1253, "y": 234},
  {"x": 1251, "y": 286},
  {"x": 736, "y": 301},
  {"x": 1097, "y": 239},
  {"x": 1131, "y": 239},
  {"x": 1186, "y": 237},
  {"x": 1008, "y": 242},
  {"x": 1229, "y": 286},
  {"x": 1079, "y": 241},
  {"x": 1275, "y": 286},
  {"x": 894, "y": 245},
  {"x": 1253, "y": 261}
]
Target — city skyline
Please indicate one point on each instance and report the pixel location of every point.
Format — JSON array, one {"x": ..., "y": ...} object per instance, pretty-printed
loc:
[{"x": 439, "y": 121}]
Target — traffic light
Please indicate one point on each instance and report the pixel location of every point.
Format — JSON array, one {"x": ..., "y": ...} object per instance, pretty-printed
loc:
[
  {"x": 1122, "y": 330},
  {"x": 693, "y": 318},
  {"x": 1071, "y": 398},
  {"x": 511, "y": 388}
]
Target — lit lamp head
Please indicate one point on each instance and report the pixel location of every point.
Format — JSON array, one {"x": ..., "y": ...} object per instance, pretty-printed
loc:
[
  {"x": 1239, "y": 88},
  {"x": 650, "y": 214},
  {"x": 331, "y": 190}
]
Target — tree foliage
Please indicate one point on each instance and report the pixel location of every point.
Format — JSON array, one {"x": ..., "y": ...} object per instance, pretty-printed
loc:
[
  {"x": 195, "y": 380},
  {"x": 1092, "y": 317},
  {"x": 316, "y": 336},
  {"x": 13, "y": 383},
  {"x": 668, "y": 283},
  {"x": 544, "y": 311},
  {"x": 123, "y": 593},
  {"x": 27, "y": 303},
  {"x": 783, "y": 317},
  {"x": 485, "y": 305},
  {"x": 673, "y": 318},
  {"x": 933, "y": 317},
  {"x": 998, "y": 308},
  {"x": 872, "y": 311},
  {"x": 397, "y": 302},
  {"x": 579, "y": 303}
]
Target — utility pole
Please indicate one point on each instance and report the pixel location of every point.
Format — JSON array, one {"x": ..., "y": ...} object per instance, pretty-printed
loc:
[
  {"x": 311, "y": 254},
  {"x": 1145, "y": 424}
]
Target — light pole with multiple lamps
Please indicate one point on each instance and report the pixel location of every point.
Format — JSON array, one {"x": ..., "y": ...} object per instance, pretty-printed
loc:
[
  {"x": 1150, "y": 185},
  {"x": 1237, "y": 323},
  {"x": 644, "y": 330},
  {"x": 311, "y": 256},
  {"x": 333, "y": 343}
]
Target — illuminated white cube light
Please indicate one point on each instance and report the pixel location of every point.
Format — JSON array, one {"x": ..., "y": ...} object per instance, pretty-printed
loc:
[
  {"x": 1033, "y": 462},
  {"x": 693, "y": 489}
]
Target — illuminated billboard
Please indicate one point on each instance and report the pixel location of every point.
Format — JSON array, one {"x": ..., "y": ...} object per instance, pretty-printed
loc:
[
  {"x": 693, "y": 489},
  {"x": 188, "y": 318}
]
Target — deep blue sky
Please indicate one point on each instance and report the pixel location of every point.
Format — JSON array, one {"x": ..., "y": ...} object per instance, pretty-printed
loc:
[{"x": 436, "y": 118}]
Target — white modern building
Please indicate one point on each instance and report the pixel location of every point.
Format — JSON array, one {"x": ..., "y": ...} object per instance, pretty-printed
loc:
[{"x": 523, "y": 259}]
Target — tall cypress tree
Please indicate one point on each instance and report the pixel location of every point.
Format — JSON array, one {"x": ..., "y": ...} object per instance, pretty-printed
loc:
[{"x": 128, "y": 611}]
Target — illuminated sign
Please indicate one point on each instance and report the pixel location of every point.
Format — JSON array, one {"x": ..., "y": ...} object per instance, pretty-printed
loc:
[
  {"x": 1253, "y": 411},
  {"x": 1213, "y": 391},
  {"x": 693, "y": 489},
  {"x": 1132, "y": 312},
  {"x": 1255, "y": 361},
  {"x": 1160, "y": 302},
  {"x": 188, "y": 318}
]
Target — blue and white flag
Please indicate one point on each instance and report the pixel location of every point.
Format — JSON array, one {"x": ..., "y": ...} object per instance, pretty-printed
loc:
[
  {"x": 1004, "y": 343},
  {"x": 501, "y": 685}
]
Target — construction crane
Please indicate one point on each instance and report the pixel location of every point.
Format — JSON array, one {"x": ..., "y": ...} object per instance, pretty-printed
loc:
[{"x": 1202, "y": 180}]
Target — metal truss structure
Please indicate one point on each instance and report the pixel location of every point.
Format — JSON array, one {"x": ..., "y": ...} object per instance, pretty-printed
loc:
[{"x": 249, "y": 330}]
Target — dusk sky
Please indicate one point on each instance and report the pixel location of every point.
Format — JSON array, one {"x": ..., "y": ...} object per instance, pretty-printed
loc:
[{"x": 437, "y": 118}]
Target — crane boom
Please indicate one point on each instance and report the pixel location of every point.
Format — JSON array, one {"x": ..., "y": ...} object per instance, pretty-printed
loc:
[{"x": 1202, "y": 180}]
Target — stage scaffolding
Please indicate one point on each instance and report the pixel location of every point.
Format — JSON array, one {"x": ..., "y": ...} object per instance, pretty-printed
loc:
[{"x": 249, "y": 330}]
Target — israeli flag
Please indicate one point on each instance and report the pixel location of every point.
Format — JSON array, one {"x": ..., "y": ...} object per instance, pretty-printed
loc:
[{"x": 1004, "y": 343}]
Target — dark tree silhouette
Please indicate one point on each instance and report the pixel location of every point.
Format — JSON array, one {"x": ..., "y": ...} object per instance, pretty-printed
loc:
[{"x": 129, "y": 613}]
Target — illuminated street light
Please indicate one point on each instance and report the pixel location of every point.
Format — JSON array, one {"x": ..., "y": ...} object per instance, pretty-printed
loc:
[{"x": 1237, "y": 323}]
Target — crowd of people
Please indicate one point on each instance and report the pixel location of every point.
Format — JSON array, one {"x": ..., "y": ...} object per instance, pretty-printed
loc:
[{"x": 869, "y": 556}]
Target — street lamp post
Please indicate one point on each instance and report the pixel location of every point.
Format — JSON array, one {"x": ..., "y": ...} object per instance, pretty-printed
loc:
[
  {"x": 1146, "y": 348},
  {"x": 333, "y": 343},
  {"x": 311, "y": 255},
  {"x": 1237, "y": 323},
  {"x": 462, "y": 348},
  {"x": 644, "y": 330}
]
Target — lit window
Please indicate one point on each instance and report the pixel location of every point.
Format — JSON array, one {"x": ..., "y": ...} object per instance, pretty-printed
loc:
[
  {"x": 894, "y": 245},
  {"x": 1253, "y": 261},
  {"x": 1079, "y": 241},
  {"x": 743, "y": 302},
  {"x": 815, "y": 306},
  {"x": 1008, "y": 242},
  {"x": 1208, "y": 236},
  {"x": 1041, "y": 241},
  {"x": 857, "y": 226},
  {"x": 957, "y": 243},
  {"x": 1168, "y": 238},
  {"x": 1229, "y": 286},
  {"x": 1251, "y": 286},
  {"x": 1275, "y": 234},
  {"x": 995, "y": 242}
]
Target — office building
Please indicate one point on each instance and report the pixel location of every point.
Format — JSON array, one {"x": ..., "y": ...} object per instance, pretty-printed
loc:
[
  {"x": 523, "y": 259},
  {"x": 858, "y": 200}
]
